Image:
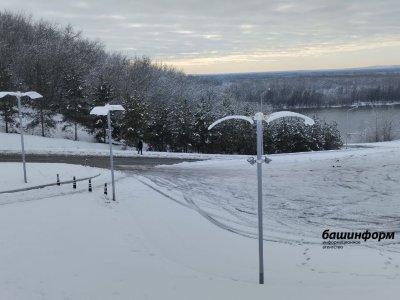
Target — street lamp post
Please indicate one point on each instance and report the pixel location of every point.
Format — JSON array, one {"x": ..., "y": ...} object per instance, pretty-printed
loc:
[
  {"x": 260, "y": 151},
  {"x": 32, "y": 95},
  {"x": 259, "y": 118},
  {"x": 106, "y": 111}
]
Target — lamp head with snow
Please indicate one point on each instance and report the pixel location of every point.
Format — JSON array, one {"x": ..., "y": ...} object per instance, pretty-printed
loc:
[
  {"x": 103, "y": 110},
  {"x": 248, "y": 119},
  {"x": 31, "y": 94},
  {"x": 267, "y": 118},
  {"x": 99, "y": 111},
  {"x": 288, "y": 114}
]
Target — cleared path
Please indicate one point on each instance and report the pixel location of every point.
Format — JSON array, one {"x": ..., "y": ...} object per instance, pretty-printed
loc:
[{"x": 120, "y": 163}]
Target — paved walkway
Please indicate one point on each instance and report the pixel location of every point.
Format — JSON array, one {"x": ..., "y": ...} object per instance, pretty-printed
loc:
[{"x": 120, "y": 163}]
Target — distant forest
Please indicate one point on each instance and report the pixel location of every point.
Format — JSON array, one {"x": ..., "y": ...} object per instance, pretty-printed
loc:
[
  {"x": 165, "y": 107},
  {"x": 316, "y": 88}
]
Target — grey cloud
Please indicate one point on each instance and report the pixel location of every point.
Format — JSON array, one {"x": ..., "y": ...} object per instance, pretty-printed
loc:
[{"x": 190, "y": 28}]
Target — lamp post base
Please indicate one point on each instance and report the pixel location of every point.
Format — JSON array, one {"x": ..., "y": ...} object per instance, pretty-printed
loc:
[{"x": 261, "y": 278}]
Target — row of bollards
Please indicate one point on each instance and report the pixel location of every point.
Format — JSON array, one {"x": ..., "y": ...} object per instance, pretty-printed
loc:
[{"x": 90, "y": 189}]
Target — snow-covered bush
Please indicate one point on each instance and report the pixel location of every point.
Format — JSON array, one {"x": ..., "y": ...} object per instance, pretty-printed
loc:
[{"x": 294, "y": 136}]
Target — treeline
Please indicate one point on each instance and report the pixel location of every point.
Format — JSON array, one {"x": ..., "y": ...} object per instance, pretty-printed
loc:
[
  {"x": 318, "y": 90},
  {"x": 165, "y": 108},
  {"x": 75, "y": 74}
]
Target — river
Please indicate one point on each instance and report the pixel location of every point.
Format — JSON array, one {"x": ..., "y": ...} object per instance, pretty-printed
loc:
[{"x": 361, "y": 124}]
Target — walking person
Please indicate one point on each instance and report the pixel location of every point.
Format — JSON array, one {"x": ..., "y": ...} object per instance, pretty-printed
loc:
[{"x": 140, "y": 147}]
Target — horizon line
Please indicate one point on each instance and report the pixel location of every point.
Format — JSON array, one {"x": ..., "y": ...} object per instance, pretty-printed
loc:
[{"x": 370, "y": 67}]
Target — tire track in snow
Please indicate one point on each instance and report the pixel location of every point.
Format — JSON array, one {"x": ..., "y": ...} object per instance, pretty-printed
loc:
[{"x": 301, "y": 200}]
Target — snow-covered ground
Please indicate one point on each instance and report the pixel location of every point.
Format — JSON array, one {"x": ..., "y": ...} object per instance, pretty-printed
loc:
[
  {"x": 61, "y": 130},
  {"x": 187, "y": 231},
  {"x": 304, "y": 193},
  {"x": 10, "y": 143}
]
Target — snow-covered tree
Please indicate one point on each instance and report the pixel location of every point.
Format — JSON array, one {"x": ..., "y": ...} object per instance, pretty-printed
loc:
[
  {"x": 159, "y": 131},
  {"x": 102, "y": 95},
  {"x": 135, "y": 121},
  {"x": 203, "y": 117},
  {"x": 292, "y": 135},
  {"x": 75, "y": 107},
  {"x": 7, "y": 104},
  {"x": 182, "y": 126},
  {"x": 8, "y": 111}
]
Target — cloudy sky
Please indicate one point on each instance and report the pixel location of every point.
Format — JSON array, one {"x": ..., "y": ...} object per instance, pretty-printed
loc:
[{"x": 215, "y": 36}]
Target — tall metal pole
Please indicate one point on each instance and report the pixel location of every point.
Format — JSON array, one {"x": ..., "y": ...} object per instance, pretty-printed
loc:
[
  {"x": 111, "y": 154},
  {"x": 259, "y": 117},
  {"x": 21, "y": 134},
  {"x": 347, "y": 125}
]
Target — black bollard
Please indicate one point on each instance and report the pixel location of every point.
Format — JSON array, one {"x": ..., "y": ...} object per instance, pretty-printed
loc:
[
  {"x": 58, "y": 180},
  {"x": 105, "y": 189},
  {"x": 74, "y": 183},
  {"x": 90, "y": 185}
]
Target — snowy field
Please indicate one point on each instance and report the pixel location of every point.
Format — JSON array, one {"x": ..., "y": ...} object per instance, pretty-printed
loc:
[
  {"x": 304, "y": 193},
  {"x": 187, "y": 231}
]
